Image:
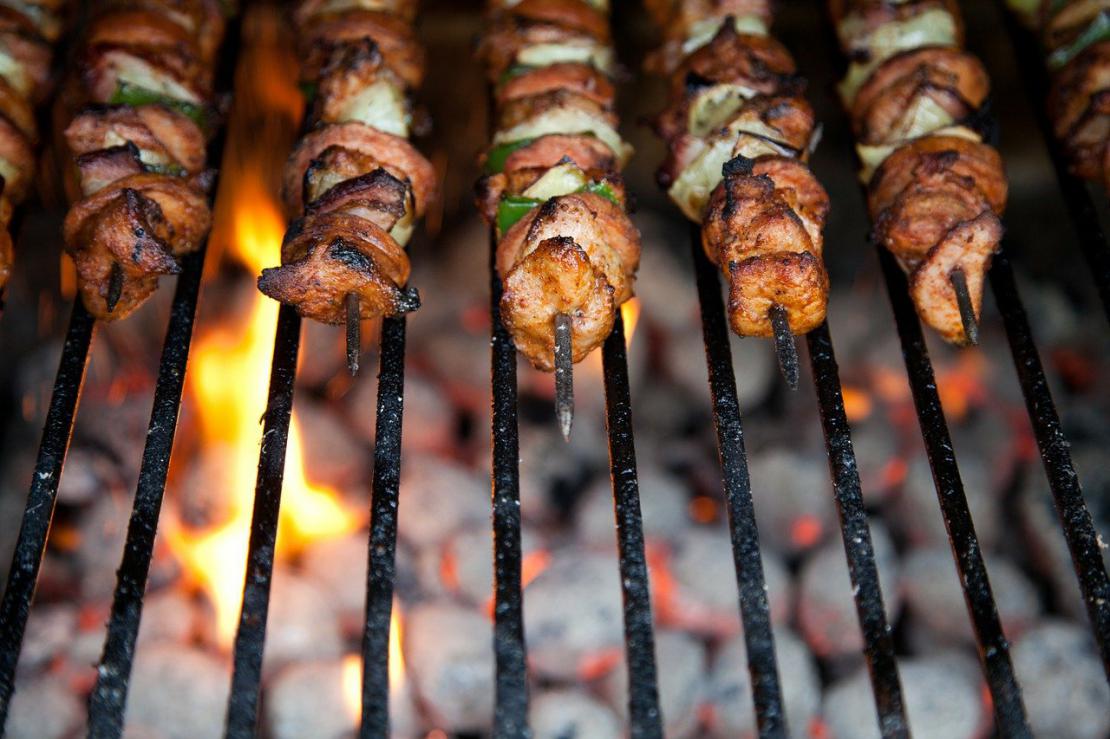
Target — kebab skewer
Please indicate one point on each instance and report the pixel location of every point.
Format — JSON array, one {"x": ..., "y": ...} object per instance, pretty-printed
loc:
[
  {"x": 28, "y": 32},
  {"x": 567, "y": 252},
  {"x": 936, "y": 190},
  {"x": 354, "y": 186},
  {"x": 143, "y": 84},
  {"x": 739, "y": 133},
  {"x": 1075, "y": 36}
]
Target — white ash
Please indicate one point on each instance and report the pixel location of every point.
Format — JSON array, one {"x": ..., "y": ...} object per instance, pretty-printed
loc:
[
  {"x": 460, "y": 360},
  {"x": 730, "y": 687},
  {"x": 942, "y": 699},
  {"x": 827, "y": 616},
  {"x": 117, "y": 426},
  {"x": 302, "y": 622},
  {"x": 323, "y": 355},
  {"x": 180, "y": 690},
  {"x": 90, "y": 473},
  {"x": 464, "y": 565},
  {"x": 448, "y": 652},
  {"x": 551, "y": 469},
  {"x": 875, "y": 442},
  {"x": 430, "y": 420},
  {"x": 169, "y": 616},
  {"x": 338, "y": 567},
  {"x": 681, "y": 665},
  {"x": 665, "y": 283},
  {"x": 201, "y": 494},
  {"x": 102, "y": 531},
  {"x": 50, "y": 629},
  {"x": 331, "y": 454},
  {"x": 916, "y": 513},
  {"x": 793, "y": 497},
  {"x": 1063, "y": 684},
  {"x": 753, "y": 362},
  {"x": 571, "y": 714},
  {"x": 573, "y": 614},
  {"x": 308, "y": 700},
  {"x": 43, "y": 708},
  {"x": 439, "y": 496},
  {"x": 663, "y": 507},
  {"x": 705, "y": 598},
  {"x": 930, "y": 589},
  {"x": 1043, "y": 540}
]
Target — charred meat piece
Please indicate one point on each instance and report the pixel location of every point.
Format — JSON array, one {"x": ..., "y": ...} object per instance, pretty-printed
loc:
[
  {"x": 968, "y": 246},
  {"x": 393, "y": 153},
  {"x": 593, "y": 241},
  {"x": 555, "y": 277},
  {"x": 392, "y": 35},
  {"x": 1079, "y": 104},
  {"x": 758, "y": 63},
  {"x": 917, "y": 92},
  {"x": 99, "y": 169},
  {"x": 537, "y": 33},
  {"x": 569, "y": 77},
  {"x": 356, "y": 86},
  {"x": 166, "y": 139},
  {"x": 971, "y": 164},
  {"x": 763, "y": 229},
  {"x": 326, "y": 257},
  {"x": 126, "y": 231}
]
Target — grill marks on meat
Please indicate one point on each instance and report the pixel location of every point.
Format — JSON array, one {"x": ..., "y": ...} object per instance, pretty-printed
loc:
[
  {"x": 738, "y": 133},
  {"x": 144, "y": 80},
  {"x": 27, "y": 32},
  {"x": 936, "y": 192},
  {"x": 575, "y": 251},
  {"x": 354, "y": 185}
]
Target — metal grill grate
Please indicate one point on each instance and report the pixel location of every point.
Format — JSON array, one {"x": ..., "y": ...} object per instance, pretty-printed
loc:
[{"x": 106, "y": 709}]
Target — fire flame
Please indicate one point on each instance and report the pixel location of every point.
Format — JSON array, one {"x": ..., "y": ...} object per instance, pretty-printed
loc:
[
  {"x": 352, "y": 668},
  {"x": 231, "y": 362}
]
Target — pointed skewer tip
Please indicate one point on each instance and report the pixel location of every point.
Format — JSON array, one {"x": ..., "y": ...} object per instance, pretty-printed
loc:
[
  {"x": 354, "y": 333},
  {"x": 564, "y": 374},
  {"x": 963, "y": 301},
  {"x": 785, "y": 346}
]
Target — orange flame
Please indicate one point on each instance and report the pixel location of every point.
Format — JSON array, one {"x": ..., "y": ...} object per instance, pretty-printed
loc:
[
  {"x": 352, "y": 668},
  {"x": 231, "y": 362}
]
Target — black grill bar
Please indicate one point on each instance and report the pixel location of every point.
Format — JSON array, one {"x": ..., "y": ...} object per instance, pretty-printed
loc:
[
  {"x": 1076, "y": 195},
  {"x": 383, "y": 530},
  {"x": 993, "y": 648},
  {"x": 246, "y": 677},
  {"x": 42, "y": 497},
  {"x": 754, "y": 609},
  {"x": 1079, "y": 531},
  {"x": 878, "y": 645},
  {"x": 645, "y": 718},
  {"x": 109, "y": 697},
  {"x": 511, "y": 711}
]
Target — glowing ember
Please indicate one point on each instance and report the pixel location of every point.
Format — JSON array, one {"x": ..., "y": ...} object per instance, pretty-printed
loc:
[
  {"x": 250, "y": 226},
  {"x": 857, "y": 403}
]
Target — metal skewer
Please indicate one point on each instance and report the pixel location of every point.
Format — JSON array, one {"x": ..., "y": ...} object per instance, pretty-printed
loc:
[
  {"x": 354, "y": 333},
  {"x": 115, "y": 286},
  {"x": 785, "y": 347},
  {"x": 963, "y": 300},
  {"x": 564, "y": 374}
]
